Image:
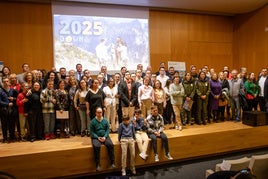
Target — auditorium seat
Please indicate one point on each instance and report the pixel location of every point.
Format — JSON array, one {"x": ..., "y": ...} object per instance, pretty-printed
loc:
[
  {"x": 236, "y": 164},
  {"x": 259, "y": 166}
]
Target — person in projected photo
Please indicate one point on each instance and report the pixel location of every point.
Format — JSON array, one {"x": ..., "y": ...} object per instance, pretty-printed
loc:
[
  {"x": 121, "y": 52},
  {"x": 102, "y": 53}
]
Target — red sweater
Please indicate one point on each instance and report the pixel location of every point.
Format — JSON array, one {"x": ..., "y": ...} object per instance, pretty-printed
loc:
[{"x": 20, "y": 102}]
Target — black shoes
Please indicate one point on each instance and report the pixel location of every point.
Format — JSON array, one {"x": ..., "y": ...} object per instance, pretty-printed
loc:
[{"x": 83, "y": 134}]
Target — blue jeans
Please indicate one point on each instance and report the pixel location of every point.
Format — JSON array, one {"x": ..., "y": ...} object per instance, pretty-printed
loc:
[
  {"x": 164, "y": 141},
  {"x": 236, "y": 108}
]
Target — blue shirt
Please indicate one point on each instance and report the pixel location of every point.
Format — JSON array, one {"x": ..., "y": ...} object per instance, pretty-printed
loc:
[
  {"x": 126, "y": 131},
  {"x": 139, "y": 126}
]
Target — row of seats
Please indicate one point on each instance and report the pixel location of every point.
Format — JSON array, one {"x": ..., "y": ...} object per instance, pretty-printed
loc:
[{"x": 257, "y": 163}]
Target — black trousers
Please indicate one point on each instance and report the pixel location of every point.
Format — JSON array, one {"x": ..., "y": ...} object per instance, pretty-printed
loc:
[
  {"x": 8, "y": 122},
  {"x": 97, "y": 145},
  {"x": 36, "y": 124},
  {"x": 74, "y": 121},
  {"x": 262, "y": 103}
]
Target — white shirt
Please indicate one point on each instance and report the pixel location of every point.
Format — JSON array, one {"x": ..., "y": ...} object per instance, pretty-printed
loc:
[
  {"x": 162, "y": 79},
  {"x": 110, "y": 98},
  {"x": 145, "y": 92},
  {"x": 261, "y": 84}
]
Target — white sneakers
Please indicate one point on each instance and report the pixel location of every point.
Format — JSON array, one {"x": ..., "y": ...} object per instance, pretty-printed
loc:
[
  {"x": 156, "y": 159},
  {"x": 124, "y": 172},
  {"x": 168, "y": 156},
  {"x": 178, "y": 128},
  {"x": 143, "y": 156},
  {"x": 133, "y": 170}
]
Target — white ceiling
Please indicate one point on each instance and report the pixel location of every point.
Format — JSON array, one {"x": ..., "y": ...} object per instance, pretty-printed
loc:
[{"x": 225, "y": 7}]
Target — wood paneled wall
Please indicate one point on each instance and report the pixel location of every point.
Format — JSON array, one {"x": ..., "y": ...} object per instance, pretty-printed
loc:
[
  {"x": 26, "y": 35},
  {"x": 216, "y": 41},
  {"x": 251, "y": 40},
  {"x": 192, "y": 38}
]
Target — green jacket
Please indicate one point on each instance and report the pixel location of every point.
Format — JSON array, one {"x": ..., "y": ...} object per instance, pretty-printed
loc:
[
  {"x": 251, "y": 88},
  {"x": 189, "y": 88},
  {"x": 202, "y": 88}
]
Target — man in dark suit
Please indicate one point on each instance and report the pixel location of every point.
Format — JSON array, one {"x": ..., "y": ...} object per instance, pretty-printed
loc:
[
  {"x": 79, "y": 71},
  {"x": 263, "y": 96},
  {"x": 128, "y": 95},
  {"x": 106, "y": 76}
]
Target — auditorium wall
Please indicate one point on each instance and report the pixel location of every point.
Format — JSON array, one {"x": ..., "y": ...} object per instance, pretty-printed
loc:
[
  {"x": 251, "y": 40},
  {"x": 26, "y": 36},
  {"x": 192, "y": 38}
]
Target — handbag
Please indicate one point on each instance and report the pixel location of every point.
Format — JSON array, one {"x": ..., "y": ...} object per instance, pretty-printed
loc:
[
  {"x": 62, "y": 115},
  {"x": 187, "y": 105},
  {"x": 222, "y": 102},
  {"x": 249, "y": 96}
]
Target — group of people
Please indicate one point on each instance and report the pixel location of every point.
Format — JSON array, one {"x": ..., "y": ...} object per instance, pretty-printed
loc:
[
  {"x": 130, "y": 130},
  {"x": 45, "y": 105}
]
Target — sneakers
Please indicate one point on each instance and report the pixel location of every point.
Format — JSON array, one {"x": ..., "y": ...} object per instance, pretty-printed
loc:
[
  {"x": 156, "y": 159},
  {"x": 143, "y": 156},
  {"x": 52, "y": 136},
  {"x": 98, "y": 168},
  {"x": 124, "y": 172},
  {"x": 47, "y": 137},
  {"x": 113, "y": 166},
  {"x": 168, "y": 156},
  {"x": 133, "y": 171},
  {"x": 178, "y": 128}
]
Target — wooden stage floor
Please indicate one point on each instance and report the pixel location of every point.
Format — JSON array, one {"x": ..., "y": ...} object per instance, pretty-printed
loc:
[{"x": 62, "y": 158}]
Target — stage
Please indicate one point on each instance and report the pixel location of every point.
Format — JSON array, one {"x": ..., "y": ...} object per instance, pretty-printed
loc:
[{"x": 60, "y": 158}]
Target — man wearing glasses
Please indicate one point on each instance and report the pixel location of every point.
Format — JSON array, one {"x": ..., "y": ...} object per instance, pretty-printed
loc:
[{"x": 99, "y": 132}]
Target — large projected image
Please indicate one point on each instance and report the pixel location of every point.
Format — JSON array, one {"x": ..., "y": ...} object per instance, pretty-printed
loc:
[{"x": 96, "y": 41}]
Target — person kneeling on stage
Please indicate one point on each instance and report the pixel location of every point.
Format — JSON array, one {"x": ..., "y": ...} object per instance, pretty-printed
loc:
[
  {"x": 99, "y": 132},
  {"x": 155, "y": 125}
]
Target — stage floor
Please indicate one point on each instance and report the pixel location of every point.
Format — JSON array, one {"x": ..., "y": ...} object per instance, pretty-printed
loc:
[
  {"x": 22, "y": 148},
  {"x": 74, "y": 156}
]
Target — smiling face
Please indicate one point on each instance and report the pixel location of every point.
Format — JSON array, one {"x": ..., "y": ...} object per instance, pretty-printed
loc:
[
  {"x": 188, "y": 76},
  {"x": 98, "y": 113},
  {"x": 95, "y": 84},
  {"x": 50, "y": 84},
  {"x": 36, "y": 86}
]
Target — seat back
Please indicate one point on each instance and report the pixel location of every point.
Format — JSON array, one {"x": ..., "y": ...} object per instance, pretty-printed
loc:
[
  {"x": 259, "y": 166},
  {"x": 234, "y": 165}
]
